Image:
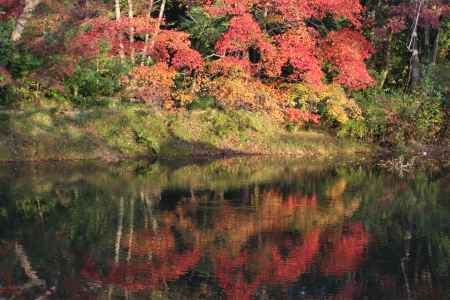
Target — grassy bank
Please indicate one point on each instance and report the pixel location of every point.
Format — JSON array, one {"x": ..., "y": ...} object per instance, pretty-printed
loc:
[{"x": 138, "y": 131}]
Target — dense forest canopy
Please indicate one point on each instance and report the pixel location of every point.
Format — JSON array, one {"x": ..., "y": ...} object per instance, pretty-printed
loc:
[{"x": 343, "y": 62}]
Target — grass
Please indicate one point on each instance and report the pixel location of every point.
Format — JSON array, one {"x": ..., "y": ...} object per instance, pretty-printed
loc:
[{"x": 130, "y": 131}]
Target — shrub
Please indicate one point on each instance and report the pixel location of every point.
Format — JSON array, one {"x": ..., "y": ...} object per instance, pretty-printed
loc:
[
  {"x": 95, "y": 80},
  {"x": 398, "y": 118},
  {"x": 236, "y": 93},
  {"x": 330, "y": 102},
  {"x": 203, "y": 102},
  {"x": 152, "y": 84},
  {"x": 16, "y": 59},
  {"x": 429, "y": 119},
  {"x": 297, "y": 116}
]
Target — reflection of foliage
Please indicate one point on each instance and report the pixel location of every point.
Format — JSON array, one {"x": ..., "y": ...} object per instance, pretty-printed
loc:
[
  {"x": 272, "y": 268},
  {"x": 348, "y": 252},
  {"x": 143, "y": 275},
  {"x": 34, "y": 206},
  {"x": 236, "y": 226}
]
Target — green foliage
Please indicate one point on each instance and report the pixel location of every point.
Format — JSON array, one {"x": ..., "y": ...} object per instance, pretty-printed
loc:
[
  {"x": 8, "y": 95},
  {"x": 222, "y": 124},
  {"x": 429, "y": 119},
  {"x": 95, "y": 80},
  {"x": 203, "y": 102},
  {"x": 331, "y": 102},
  {"x": 354, "y": 128},
  {"x": 16, "y": 59},
  {"x": 398, "y": 118},
  {"x": 445, "y": 38},
  {"x": 204, "y": 30},
  {"x": 143, "y": 137}
]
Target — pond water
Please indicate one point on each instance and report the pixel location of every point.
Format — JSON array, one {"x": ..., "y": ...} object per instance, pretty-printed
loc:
[{"x": 243, "y": 228}]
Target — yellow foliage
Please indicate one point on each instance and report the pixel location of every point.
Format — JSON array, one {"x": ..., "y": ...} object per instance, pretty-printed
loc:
[
  {"x": 338, "y": 106},
  {"x": 335, "y": 192},
  {"x": 183, "y": 97},
  {"x": 245, "y": 94}
]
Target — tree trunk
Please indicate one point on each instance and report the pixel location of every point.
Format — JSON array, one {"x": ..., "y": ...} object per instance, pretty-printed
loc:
[
  {"x": 131, "y": 15},
  {"x": 158, "y": 25},
  {"x": 436, "y": 47},
  {"x": 121, "y": 50},
  {"x": 427, "y": 52},
  {"x": 131, "y": 234},
  {"x": 415, "y": 69},
  {"x": 147, "y": 35},
  {"x": 30, "y": 5},
  {"x": 119, "y": 232},
  {"x": 387, "y": 62}
]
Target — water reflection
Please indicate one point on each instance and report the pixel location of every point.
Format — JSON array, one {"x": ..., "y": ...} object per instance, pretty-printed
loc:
[{"x": 231, "y": 229}]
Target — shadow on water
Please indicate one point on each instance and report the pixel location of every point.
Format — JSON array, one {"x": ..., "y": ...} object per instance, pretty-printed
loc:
[{"x": 241, "y": 228}]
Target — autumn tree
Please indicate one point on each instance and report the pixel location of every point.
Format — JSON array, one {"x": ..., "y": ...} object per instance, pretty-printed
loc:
[{"x": 292, "y": 39}]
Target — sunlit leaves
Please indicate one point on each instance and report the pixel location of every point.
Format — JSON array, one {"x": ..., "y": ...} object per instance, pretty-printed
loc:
[{"x": 347, "y": 50}]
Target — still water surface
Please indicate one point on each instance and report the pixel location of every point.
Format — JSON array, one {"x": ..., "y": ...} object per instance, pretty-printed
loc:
[{"x": 246, "y": 228}]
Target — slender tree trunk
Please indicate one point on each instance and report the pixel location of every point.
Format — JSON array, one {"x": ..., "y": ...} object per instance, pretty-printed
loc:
[
  {"x": 158, "y": 26},
  {"x": 119, "y": 231},
  {"x": 25, "y": 262},
  {"x": 131, "y": 15},
  {"x": 30, "y": 5},
  {"x": 413, "y": 47},
  {"x": 131, "y": 234},
  {"x": 427, "y": 51},
  {"x": 415, "y": 69},
  {"x": 118, "y": 15},
  {"x": 436, "y": 47},
  {"x": 147, "y": 35},
  {"x": 29, "y": 272},
  {"x": 387, "y": 62},
  {"x": 145, "y": 210}
]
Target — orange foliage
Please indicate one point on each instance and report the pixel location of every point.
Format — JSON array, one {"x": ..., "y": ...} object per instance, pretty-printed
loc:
[
  {"x": 152, "y": 84},
  {"x": 231, "y": 67},
  {"x": 295, "y": 115},
  {"x": 250, "y": 95}
]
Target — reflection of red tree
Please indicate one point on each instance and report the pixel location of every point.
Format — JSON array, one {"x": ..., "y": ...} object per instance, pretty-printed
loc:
[
  {"x": 230, "y": 273},
  {"x": 148, "y": 242},
  {"x": 144, "y": 275},
  {"x": 348, "y": 251},
  {"x": 298, "y": 260},
  {"x": 235, "y": 276},
  {"x": 295, "y": 200}
]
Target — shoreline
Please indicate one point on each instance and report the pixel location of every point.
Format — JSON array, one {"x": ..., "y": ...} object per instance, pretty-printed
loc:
[
  {"x": 141, "y": 133},
  {"x": 137, "y": 132}
]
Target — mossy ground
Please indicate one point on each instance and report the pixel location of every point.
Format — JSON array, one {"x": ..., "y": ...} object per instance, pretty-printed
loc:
[{"x": 130, "y": 131}]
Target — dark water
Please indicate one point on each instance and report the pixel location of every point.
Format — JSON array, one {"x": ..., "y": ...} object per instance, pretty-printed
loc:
[{"x": 231, "y": 229}]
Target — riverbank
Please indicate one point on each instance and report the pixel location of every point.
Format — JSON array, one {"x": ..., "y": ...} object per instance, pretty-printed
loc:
[{"x": 135, "y": 131}]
